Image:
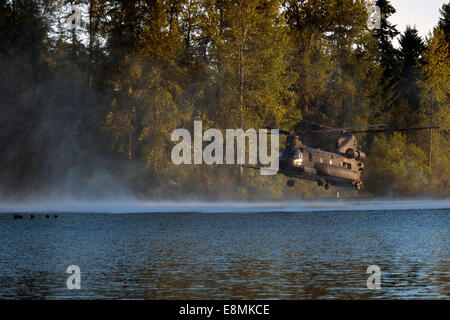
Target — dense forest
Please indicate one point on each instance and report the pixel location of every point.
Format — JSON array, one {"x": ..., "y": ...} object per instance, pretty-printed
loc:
[{"x": 88, "y": 111}]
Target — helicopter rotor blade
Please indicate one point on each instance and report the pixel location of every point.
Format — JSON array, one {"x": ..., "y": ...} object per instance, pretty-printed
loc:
[
  {"x": 306, "y": 132},
  {"x": 397, "y": 130},
  {"x": 381, "y": 130},
  {"x": 280, "y": 131},
  {"x": 348, "y": 129},
  {"x": 354, "y": 129},
  {"x": 317, "y": 124}
]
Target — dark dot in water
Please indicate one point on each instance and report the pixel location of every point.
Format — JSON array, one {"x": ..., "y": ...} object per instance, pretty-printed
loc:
[
  {"x": 32, "y": 216},
  {"x": 47, "y": 216},
  {"x": 56, "y": 216}
]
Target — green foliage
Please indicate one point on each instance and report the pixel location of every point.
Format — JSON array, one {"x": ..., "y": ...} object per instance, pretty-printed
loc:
[
  {"x": 396, "y": 167},
  {"x": 435, "y": 107},
  {"x": 252, "y": 50},
  {"x": 435, "y": 84},
  {"x": 97, "y": 105}
]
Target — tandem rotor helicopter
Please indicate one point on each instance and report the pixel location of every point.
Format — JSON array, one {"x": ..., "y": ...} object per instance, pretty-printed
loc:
[{"x": 343, "y": 167}]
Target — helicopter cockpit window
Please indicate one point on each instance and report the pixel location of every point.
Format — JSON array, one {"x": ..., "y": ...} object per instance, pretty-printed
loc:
[
  {"x": 298, "y": 157},
  {"x": 298, "y": 154}
]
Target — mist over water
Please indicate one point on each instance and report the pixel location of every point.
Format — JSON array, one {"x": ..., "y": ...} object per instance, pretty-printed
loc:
[{"x": 128, "y": 205}]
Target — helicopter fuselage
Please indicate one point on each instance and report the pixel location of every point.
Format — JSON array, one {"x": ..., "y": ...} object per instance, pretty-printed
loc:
[{"x": 326, "y": 168}]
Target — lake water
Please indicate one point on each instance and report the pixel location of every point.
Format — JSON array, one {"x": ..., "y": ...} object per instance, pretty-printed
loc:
[{"x": 227, "y": 252}]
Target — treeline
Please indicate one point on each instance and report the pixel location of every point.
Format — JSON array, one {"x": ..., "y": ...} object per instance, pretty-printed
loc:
[{"x": 88, "y": 111}]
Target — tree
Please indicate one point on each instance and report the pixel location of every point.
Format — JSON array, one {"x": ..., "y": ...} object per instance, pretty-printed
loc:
[
  {"x": 355, "y": 73},
  {"x": 147, "y": 102},
  {"x": 385, "y": 35},
  {"x": 444, "y": 21},
  {"x": 251, "y": 50},
  {"x": 23, "y": 61},
  {"x": 388, "y": 59},
  {"x": 311, "y": 61},
  {"x": 396, "y": 167},
  {"x": 435, "y": 105},
  {"x": 407, "y": 97}
]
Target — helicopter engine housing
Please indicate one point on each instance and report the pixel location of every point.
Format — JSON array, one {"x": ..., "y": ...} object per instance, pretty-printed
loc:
[{"x": 355, "y": 154}]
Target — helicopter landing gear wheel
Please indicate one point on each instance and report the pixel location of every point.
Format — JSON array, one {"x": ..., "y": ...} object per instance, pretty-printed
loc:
[
  {"x": 358, "y": 185},
  {"x": 290, "y": 183},
  {"x": 323, "y": 183}
]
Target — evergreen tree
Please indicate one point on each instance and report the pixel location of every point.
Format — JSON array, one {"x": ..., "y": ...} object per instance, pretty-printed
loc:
[
  {"x": 405, "y": 113},
  {"x": 444, "y": 21},
  {"x": 385, "y": 35}
]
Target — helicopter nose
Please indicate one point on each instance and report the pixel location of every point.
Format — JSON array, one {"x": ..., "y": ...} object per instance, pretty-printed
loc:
[{"x": 296, "y": 162}]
